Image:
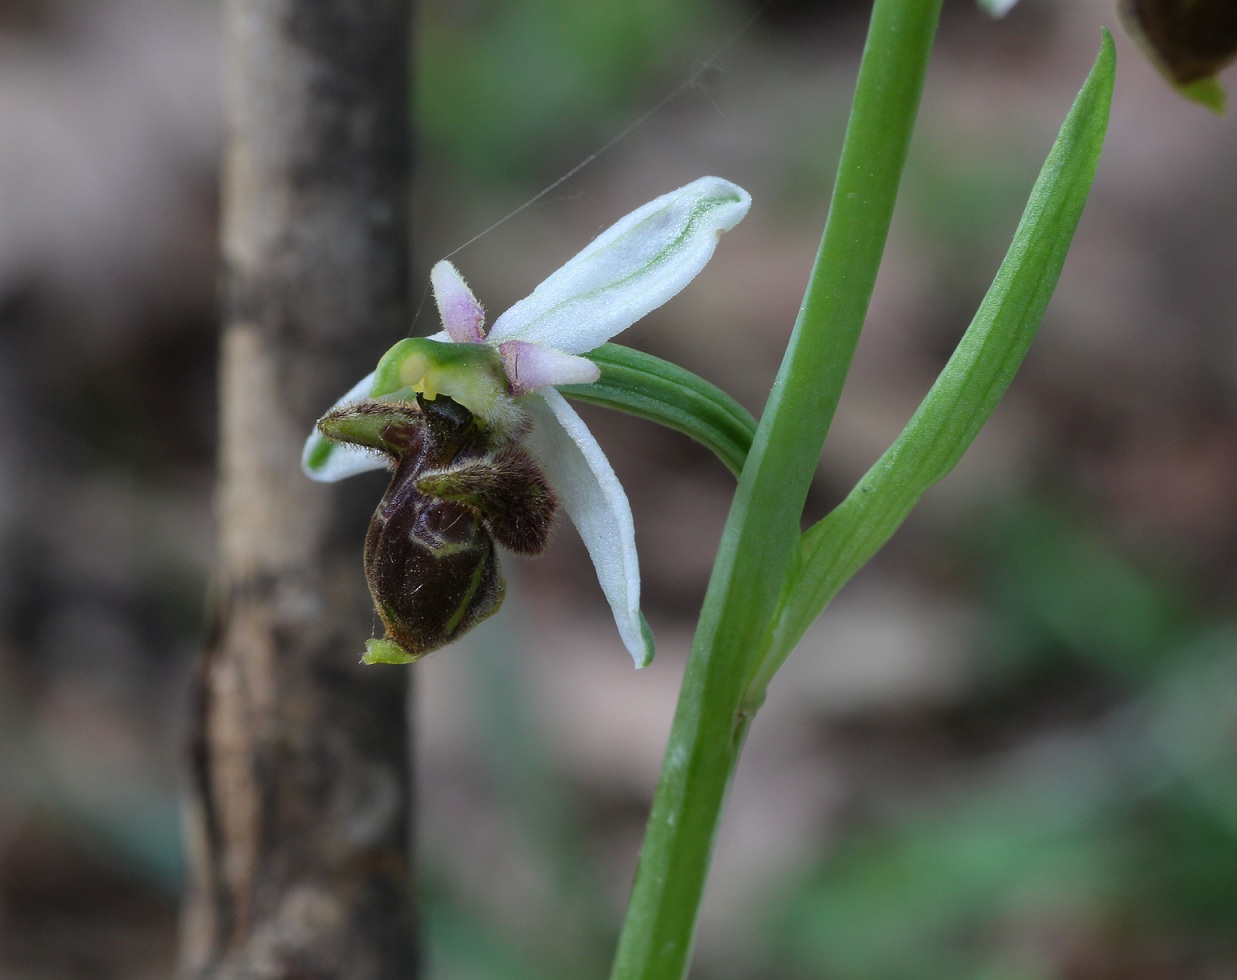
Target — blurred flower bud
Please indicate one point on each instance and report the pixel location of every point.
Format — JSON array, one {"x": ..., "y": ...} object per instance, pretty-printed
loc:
[{"x": 1190, "y": 41}]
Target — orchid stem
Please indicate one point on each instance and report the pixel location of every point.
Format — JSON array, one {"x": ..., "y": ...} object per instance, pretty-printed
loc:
[{"x": 761, "y": 535}]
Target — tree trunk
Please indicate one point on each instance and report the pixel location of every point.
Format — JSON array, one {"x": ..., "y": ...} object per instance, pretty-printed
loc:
[{"x": 298, "y": 822}]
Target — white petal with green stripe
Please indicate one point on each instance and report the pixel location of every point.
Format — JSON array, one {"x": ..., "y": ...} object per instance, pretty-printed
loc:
[{"x": 628, "y": 271}]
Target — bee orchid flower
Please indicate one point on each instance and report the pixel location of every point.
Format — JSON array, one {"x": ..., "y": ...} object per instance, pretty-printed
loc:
[{"x": 506, "y": 379}]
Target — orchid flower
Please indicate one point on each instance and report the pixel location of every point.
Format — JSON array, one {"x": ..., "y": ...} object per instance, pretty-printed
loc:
[{"x": 506, "y": 378}]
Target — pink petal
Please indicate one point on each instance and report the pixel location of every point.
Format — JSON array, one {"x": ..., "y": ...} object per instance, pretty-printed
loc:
[
  {"x": 531, "y": 366},
  {"x": 462, "y": 316}
]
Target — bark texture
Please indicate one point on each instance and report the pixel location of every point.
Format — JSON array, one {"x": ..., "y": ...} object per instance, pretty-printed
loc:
[{"x": 298, "y": 822}]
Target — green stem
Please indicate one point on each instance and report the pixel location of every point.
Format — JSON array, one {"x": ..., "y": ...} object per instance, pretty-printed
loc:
[{"x": 762, "y": 532}]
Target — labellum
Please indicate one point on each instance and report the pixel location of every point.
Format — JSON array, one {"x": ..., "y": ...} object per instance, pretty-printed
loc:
[{"x": 455, "y": 491}]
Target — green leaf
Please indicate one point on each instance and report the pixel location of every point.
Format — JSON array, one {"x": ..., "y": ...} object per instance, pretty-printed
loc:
[
  {"x": 971, "y": 384},
  {"x": 646, "y": 386}
]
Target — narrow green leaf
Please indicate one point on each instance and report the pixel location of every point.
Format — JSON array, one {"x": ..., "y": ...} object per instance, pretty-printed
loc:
[
  {"x": 971, "y": 384},
  {"x": 646, "y": 386}
]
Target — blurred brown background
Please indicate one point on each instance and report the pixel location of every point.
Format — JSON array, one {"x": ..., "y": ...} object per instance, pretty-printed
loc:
[{"x": 1007, "y": 750}]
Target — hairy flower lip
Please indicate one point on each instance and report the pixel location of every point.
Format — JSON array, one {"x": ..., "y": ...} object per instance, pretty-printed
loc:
[{"x": 628, "y": 271}]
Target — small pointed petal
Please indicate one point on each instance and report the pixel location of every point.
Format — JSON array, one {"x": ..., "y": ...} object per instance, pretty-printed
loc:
[
  {"x": 531, "y": 366},
  {"x": 327, "y": 461},
  {"x": 462, "y": 316},
  {"x": 627, "y": 271},
  {"x": 593, "y": 498}
]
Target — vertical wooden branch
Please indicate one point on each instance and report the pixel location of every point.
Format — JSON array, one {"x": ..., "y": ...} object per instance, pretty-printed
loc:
[{"x": 299, "y": 817}]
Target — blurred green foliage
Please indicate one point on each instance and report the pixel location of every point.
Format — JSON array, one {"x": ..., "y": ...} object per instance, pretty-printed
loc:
[
  {"x": 499, "y": 82},
  {"x": 1110, "y": 827},
  {"x": 1060, "y": 593}
]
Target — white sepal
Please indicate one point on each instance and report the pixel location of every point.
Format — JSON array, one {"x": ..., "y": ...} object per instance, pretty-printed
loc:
[
  {"x": 626, "y": 272},
  {"x": 329, "y": 462},
  {"x": 597, "y": 505}
]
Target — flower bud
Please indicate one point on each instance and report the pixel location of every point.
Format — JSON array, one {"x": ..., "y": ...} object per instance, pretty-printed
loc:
[{"x": 1190, "y": 41}]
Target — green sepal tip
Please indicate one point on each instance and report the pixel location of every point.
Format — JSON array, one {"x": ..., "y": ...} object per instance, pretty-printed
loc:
[
  {"x": 1206, "y": 92},
  {"x": 386, "y": 652}
]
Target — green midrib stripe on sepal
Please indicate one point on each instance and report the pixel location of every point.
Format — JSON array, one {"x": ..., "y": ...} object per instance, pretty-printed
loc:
[
  {"x": 651, "y": 388},
  {"x": 319, "y": 455},
  {"x": 971, "y": 384}
]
